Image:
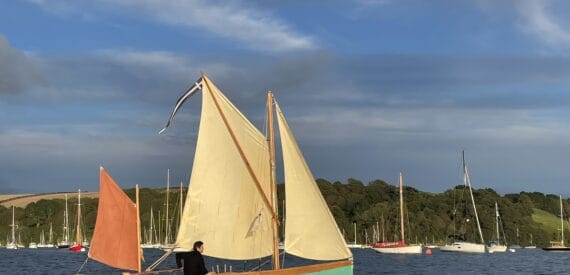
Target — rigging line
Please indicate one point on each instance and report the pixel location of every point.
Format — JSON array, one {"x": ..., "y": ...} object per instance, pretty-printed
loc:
[
  {"x": 264, "y": 263},
  {"x": 86, "y": 259}
]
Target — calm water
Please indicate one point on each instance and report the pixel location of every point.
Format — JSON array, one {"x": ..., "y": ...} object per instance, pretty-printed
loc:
[{"x": 529, "y": 261}]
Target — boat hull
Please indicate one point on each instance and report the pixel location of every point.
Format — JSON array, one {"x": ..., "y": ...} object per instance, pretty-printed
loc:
[
  {"x": 463, "y": 247},
  {"x": 409, "y": 249},
  {"x": 497, "y": 248},
  {"x": 332, "y": 268},
  {"x": 556, "y": 248},
  {"x": 77, "y": 248}
]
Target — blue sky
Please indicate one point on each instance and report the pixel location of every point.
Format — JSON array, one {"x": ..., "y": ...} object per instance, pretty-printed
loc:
[{"x": 370, "y": 88}]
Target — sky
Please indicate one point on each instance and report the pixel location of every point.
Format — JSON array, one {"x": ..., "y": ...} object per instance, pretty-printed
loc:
[{"x": 369, "y": 87}]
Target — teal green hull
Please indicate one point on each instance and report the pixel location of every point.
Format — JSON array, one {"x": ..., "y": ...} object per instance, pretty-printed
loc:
[{"x": 344, "y": 270}]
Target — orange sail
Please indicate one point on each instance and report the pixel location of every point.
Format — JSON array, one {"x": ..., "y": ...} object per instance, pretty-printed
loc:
[{"x": 115, "y": 240}]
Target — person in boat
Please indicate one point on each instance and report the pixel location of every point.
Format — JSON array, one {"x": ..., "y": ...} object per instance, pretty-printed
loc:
[{"x": 193, "y": 260}]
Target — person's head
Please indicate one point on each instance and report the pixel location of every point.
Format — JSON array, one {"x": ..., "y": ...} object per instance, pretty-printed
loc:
[{"x": 199, "y": 246}]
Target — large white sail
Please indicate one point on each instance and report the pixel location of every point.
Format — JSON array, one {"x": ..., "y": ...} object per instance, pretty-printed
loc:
[
  {"x": 223, "y": 207},
  {"x": 310, "y": 231}
]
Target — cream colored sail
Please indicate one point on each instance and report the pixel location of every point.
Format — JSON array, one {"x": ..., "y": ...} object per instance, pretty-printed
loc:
[
  {"x": 310, "y": 231},
  {"x": 223, "y": 207}
]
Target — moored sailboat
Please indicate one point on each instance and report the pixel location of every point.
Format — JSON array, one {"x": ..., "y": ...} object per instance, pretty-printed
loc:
[
  {"x": 151, "y": 234},
  {"x": 64, "y": 243},
  {"x": 531, "y": 246},
  {"x": 13, "y": 244},
  {"x": 559, "y": 245},
  {"x": 399, "y": 247},
  {"x": 496, "y": 246},
  {"x": 78, "y": 245},
  {"x": 464, "y": 246},
  {"x": 233, "y": 157}
]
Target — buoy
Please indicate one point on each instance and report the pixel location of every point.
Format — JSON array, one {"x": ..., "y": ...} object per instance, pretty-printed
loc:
[{"x": 428, "y": 251}]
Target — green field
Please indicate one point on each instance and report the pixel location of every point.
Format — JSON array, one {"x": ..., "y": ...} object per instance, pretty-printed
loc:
[{"x": 550, "y": 222}]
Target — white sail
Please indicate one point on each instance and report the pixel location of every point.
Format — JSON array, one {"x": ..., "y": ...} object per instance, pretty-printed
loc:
[
  {"x": 223, "y": 208},
  {"x": 311, "y": 231}
]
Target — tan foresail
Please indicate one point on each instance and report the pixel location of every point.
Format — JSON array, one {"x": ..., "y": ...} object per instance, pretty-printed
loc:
[
  {"x": 115, "y": 239},
  {"x": 223, "y": 207},
  {"x": 310, "y": 231}
]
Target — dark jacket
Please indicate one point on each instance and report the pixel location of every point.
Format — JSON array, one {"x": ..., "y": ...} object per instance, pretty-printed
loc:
[{"x": 193, "y": 263}]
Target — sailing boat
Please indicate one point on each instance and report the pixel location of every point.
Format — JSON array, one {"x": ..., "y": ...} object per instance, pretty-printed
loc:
[
  {"x": 231, "y": 202},
  {"x": 13, "y": 244},
  {"x": 65, "y": 241},
  {"x": 400, "y": 247},
  {"x": 495, "y": 246},
  {"x": 116, "y": 240},
  {"x": 355, "y": 243},
  {"x": 517, "y": 245},
  {"x": 559, "y": 245},
  {"x": 167, "y": 244},
  {"x": 151, "y": 234},
  {"x": 78, "y": 245},
  {"x": 531, "y": 246},
  {"x": 463, "y": 246}
]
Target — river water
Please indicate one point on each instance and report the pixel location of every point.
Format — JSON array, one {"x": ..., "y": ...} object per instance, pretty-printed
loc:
[{"x": 366, "y": 261}]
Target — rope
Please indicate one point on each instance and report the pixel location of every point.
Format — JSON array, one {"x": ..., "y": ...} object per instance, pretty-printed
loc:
[
  {"x": 86, "y": 259},
  {"x": 264, "y": 263}
]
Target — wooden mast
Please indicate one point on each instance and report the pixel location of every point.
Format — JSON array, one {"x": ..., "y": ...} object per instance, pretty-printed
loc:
[
  {"x": 138, "y": 229},
  {"x": 271, "y": 141},
  {"x": 402, "y": 207}
]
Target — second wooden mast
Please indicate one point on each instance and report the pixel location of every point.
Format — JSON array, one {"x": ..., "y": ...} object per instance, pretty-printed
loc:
[{"x": 271, "y": 142}]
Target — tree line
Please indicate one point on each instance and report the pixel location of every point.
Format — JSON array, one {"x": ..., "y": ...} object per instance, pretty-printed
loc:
[{"x": 374, "y": 208}]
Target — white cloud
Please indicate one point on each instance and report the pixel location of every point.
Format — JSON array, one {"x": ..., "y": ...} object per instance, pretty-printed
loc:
[
  {"x": 258, "y": 29},
  {"x": 539, "y": 21}
]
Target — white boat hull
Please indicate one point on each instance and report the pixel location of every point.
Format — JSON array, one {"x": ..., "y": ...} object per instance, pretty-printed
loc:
[
  {"x": 497, "y": 248},
  {"x": 463, "y": 247},
  {"x": 11, "y": 246},
  {"x": 410, "y": 249}
]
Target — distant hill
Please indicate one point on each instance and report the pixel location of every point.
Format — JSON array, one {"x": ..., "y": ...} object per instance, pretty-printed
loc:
[{"x": 22, "y": 200}]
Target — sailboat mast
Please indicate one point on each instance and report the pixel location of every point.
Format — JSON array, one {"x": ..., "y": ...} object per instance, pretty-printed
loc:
[
  {"x": 78, "y": 231},
  {"x": 13, "y": 226},
  {"x": 50, "y": 233},
  {"x": 467, "y": 182},
  {"x": 561, "y": 221},
  {"x": 402, "y": 206},
  {"x": 271, "y": 143},
  {"x": 497, "y": 222},
  {"x": 138, "y": 229},
  {"x": 383, "y": 229},
  {"x": 151, "y": 226},
  {"x": 167, "y": 228},
  {"x": 66, "y": 223}
]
